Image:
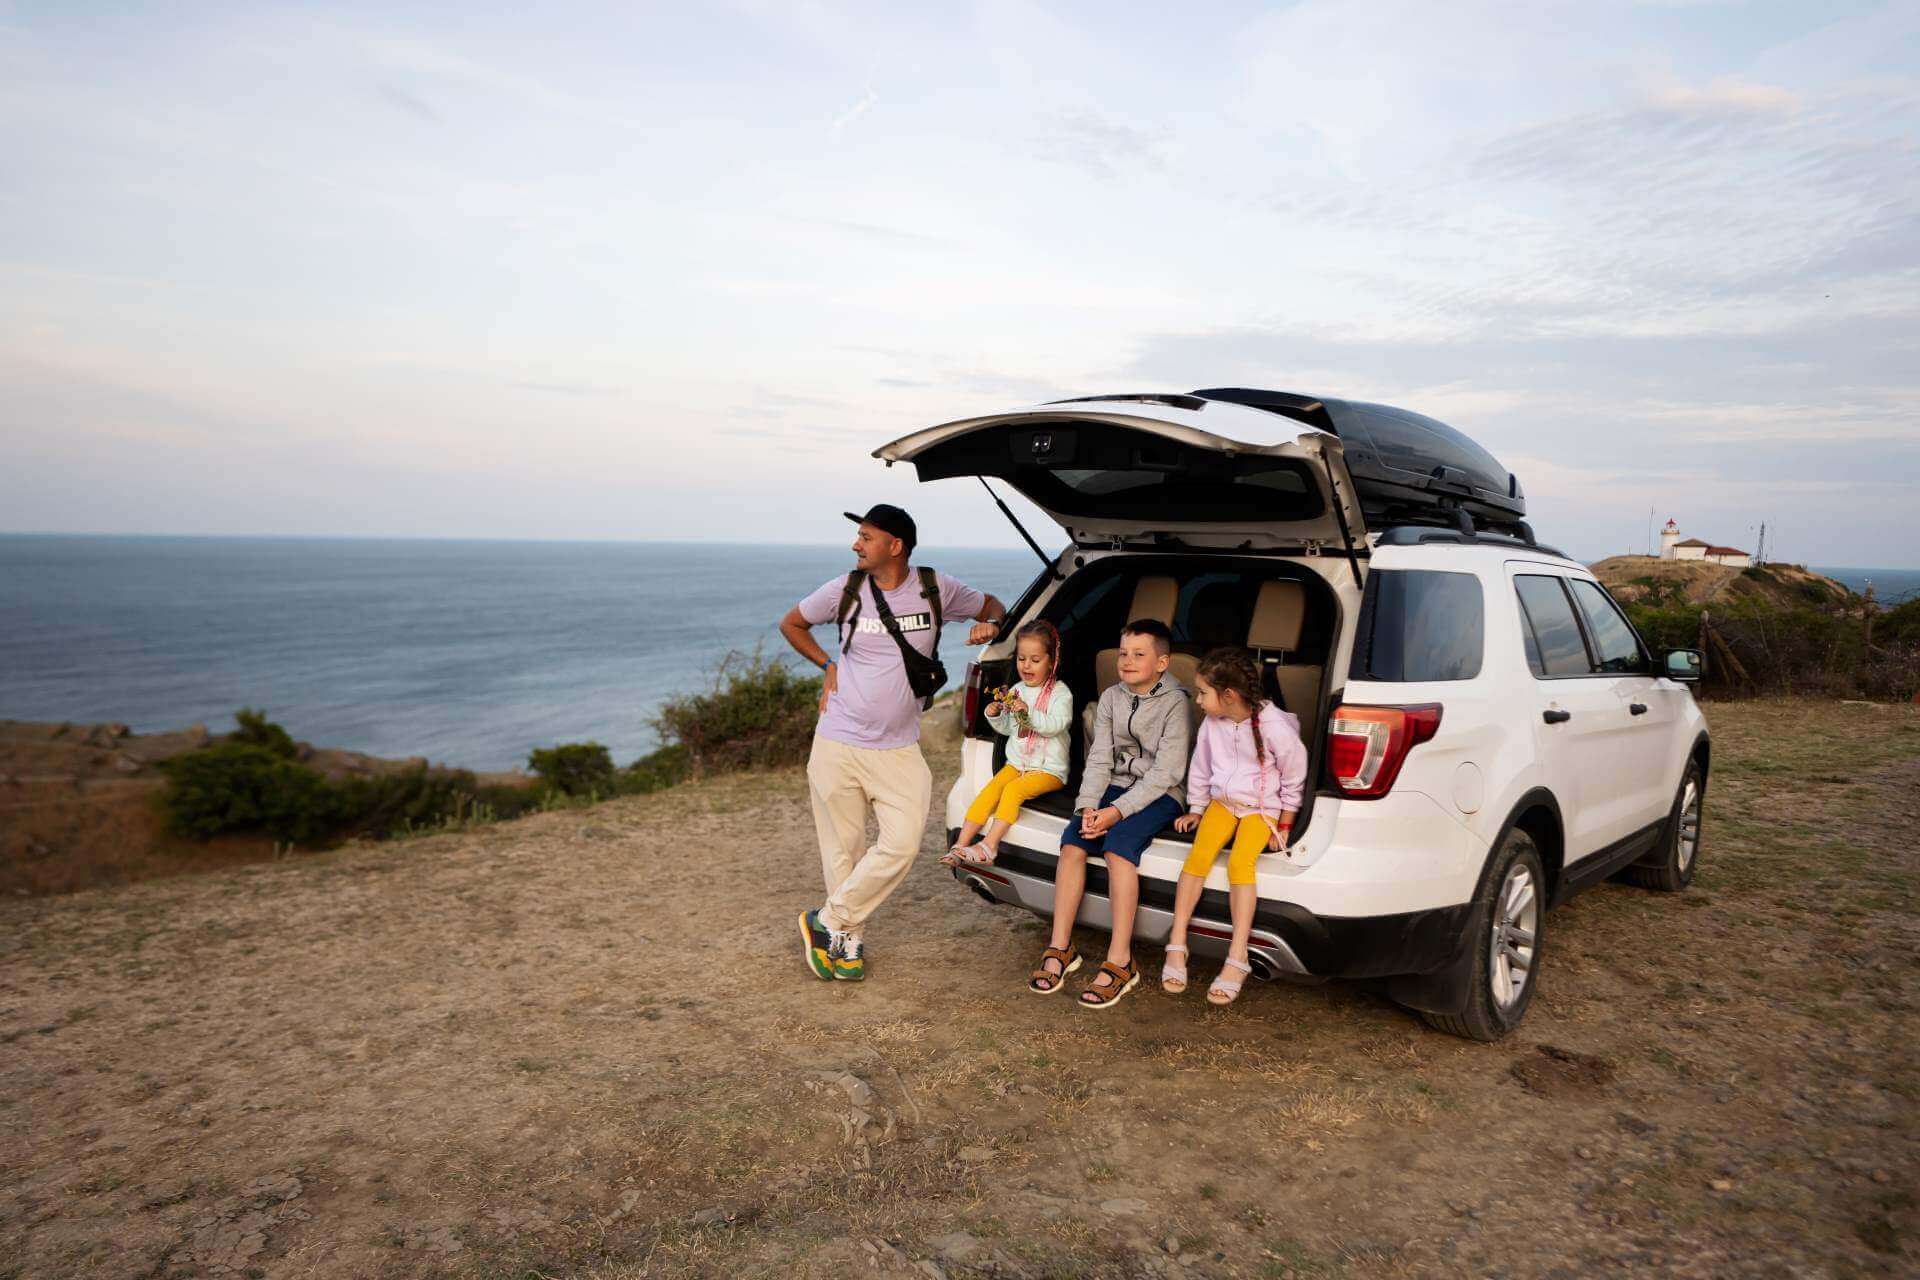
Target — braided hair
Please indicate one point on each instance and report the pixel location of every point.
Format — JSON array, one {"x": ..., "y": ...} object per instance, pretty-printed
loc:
[{"x": 1232, "y": 669}]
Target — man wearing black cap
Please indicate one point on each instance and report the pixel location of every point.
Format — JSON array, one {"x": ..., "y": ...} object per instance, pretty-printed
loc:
[{"x": 866, "y": 752}]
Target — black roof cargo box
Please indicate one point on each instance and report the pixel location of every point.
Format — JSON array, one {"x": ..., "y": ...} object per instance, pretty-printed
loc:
[{"x": 1409, "y": 468}]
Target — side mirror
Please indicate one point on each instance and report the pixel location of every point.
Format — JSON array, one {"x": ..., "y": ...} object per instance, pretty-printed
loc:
[{"x": 1686, "y": 665}]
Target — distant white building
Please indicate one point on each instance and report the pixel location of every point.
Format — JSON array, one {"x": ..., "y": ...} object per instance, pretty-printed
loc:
[{"x": 1672, "y": 548}]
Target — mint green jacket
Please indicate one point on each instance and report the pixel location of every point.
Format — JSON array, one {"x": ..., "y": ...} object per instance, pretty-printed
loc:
[{"x": 1042, "y": 745}]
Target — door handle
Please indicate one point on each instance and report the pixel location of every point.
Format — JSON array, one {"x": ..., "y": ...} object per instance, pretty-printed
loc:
[
  {"x": 1638, "y": 709},
  {"x": 1556, "y": 717}
]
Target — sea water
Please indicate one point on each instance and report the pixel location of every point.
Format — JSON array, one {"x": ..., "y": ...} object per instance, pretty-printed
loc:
[
  {"x": 1890, "y": 586},
  {"x": 469, "y": 653}
]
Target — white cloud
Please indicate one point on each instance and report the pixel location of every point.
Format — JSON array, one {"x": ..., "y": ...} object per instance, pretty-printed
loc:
[
  {"x": 613, "y": 255},
  {"x": 853, "y": 112}
]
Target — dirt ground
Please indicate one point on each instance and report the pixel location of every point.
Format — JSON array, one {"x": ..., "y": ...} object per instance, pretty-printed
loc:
[{"x": 585, "y": 1044}]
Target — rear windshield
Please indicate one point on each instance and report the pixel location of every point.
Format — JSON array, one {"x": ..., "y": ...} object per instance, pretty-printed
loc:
[
  {"x": 1097, "y": 470},
  {"x": 1420, "y": 624}
]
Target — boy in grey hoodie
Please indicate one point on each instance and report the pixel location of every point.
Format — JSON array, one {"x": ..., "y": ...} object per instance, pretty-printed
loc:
[{"x": 1132, "y": 789}]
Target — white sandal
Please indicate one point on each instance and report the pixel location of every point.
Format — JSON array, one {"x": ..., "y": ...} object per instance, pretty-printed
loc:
[
  {"x": 1173, "y": 977},
  {"x": 1226, "y": 990},
  {"x": 978, "y": 855}
]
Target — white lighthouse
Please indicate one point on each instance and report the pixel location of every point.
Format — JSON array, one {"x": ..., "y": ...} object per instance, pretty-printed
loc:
[{"x": 1669, "y": 536}]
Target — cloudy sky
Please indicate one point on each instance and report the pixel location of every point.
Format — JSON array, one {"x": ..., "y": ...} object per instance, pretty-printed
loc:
[{"x": 666, "y": 270}]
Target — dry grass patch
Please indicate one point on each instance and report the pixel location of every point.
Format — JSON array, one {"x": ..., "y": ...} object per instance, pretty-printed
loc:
[
  {"x": 1310, "y": 1115},
  {"x": 1233, "y": 1059}
]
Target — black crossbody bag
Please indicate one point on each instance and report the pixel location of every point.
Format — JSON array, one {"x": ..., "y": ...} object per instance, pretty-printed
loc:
[{"x": 925, "y": 676}]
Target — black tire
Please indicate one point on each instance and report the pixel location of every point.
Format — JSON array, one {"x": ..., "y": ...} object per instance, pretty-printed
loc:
[
  {"x": 1488, "y": 1017},
  {"x": 1679, "y": 851}
]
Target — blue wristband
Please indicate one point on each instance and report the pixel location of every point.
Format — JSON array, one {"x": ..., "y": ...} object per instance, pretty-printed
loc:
[{"x": 826, "y": 664}]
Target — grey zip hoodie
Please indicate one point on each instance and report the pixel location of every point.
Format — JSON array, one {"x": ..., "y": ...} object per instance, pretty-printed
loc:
[{"x": 1140, "y": 741}]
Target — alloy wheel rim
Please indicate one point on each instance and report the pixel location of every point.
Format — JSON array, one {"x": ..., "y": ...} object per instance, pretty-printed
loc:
[
  {"x": 1689, "y": 824},
  {"x": 1516, "y": 931}
]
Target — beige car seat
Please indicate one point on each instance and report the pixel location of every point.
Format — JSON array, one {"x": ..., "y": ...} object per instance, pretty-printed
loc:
[
  {"x": 1273, "y": 635},
  {"x": 1154, "y": 598}
]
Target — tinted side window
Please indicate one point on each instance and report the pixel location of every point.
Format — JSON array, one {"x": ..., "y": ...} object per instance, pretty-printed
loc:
[
  {"x": 1558, "y": 649},
  {"x": 1613, "y": 639},
  {"x": 1420, "y": 624}
]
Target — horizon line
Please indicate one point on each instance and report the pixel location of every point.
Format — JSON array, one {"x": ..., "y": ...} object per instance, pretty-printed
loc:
[
  {"x": 430, "y": 537},
  {"x": 640, "y": 542}
]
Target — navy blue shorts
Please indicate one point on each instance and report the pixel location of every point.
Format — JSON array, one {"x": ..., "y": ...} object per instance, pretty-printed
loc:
[{"x": 1129, "y": 837}]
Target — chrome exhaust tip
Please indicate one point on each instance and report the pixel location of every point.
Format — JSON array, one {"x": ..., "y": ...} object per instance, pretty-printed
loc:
[
  {"x": 979, "y": 887},
  {"x": 1262, "y": 967}
]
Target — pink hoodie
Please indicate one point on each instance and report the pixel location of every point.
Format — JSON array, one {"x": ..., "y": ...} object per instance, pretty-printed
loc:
[{"x": 1226, "y": 768}]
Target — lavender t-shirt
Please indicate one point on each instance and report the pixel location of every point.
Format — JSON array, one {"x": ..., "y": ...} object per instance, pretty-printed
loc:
[{"x": 874, "y": 706}]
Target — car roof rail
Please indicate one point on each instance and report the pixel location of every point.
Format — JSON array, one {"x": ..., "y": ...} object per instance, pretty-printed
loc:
[{"x": 1413, "y": 535}]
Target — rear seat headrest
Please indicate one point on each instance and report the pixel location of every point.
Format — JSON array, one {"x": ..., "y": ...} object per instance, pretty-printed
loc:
[
  {"x": 1155, "y": 598},
  {"x": 1277, "y": 616}
]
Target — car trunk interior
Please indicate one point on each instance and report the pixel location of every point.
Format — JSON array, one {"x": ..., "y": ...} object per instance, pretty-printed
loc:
[{"x": 1280, "y": 609}]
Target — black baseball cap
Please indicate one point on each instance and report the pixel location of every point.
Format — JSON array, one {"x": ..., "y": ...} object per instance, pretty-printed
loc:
[{"x": 889, "y": 519}]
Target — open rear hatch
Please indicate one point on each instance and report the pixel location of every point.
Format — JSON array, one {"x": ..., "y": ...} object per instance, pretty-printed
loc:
[{"x": 1170, "y": 472}]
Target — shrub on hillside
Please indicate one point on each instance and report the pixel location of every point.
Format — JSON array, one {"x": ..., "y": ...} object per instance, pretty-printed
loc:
[
  {"x": 758, "y": 712},
  {"x": 575, "y": 768},
  {"x": 1800, "y": 650},
  {"x": 256, "y": 730},
  {"x": 420, "y": 797},
  {"x": 240, "y": 786},
  {"x": 1899, "y": 625},
  {"x": 655, "y": 771},
  {"x": 250, "y": 783}
]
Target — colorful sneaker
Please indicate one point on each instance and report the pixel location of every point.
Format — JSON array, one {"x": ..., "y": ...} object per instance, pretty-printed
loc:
[
  {"x": 818, "y": 944},
  {"x": 849, "y": 966}
]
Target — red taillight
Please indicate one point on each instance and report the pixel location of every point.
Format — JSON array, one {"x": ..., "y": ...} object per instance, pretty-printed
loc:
[
  {"x": 1367, "y": 745},
  {"x": 972, "y": 703}
]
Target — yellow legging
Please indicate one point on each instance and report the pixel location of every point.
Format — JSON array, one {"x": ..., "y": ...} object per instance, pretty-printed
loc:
[
  {"x": 1217, "y": 825},
  {"x": 1009, "y": 789}
]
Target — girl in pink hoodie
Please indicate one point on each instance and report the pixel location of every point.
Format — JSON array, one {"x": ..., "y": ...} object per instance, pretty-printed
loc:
[{"x": 1243, "y": 786}]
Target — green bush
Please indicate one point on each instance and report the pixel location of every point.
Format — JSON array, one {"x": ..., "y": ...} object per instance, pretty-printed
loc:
[
  {"x": 498, "y": 801},
  {"x": 575, "y": 768},
  {"x": 759, "y": 712},
  {"x": 250, "y": 783},
  {"x": 256, "y": 730},
  {"x": 1789, "y": 650},
  {"x": 239, "y": 786},
  {"x": 1899, "y": 625},
  {"x": 1655, "y": 593},
  {"x": 391, "y": 803},
  {"x": 656, "y": 771}
]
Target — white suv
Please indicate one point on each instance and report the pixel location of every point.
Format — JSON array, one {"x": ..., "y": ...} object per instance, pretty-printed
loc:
[{"x": 1487, "y": 732}]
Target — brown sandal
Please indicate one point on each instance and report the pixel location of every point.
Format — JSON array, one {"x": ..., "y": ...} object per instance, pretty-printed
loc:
[
  {"x": 1121, "y": 978},
  {"x": 1069, "y": 961}
]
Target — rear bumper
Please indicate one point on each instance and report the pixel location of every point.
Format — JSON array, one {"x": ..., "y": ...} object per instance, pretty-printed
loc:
[{"x": 1288, "y": 940}]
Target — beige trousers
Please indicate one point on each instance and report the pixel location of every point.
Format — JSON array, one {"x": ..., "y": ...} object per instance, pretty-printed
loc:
[{"x": 845, "y": 782}]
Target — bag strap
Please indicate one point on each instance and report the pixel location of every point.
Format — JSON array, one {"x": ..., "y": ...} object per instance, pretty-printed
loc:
[
  {"x": 908, "y": 654},
  {"x": 849, "y": 604},
  {"x": 930, "y": 589}
]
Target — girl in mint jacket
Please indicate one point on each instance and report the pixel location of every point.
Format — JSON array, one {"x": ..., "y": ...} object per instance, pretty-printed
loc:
[{"x": 1037, "y": 716}]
